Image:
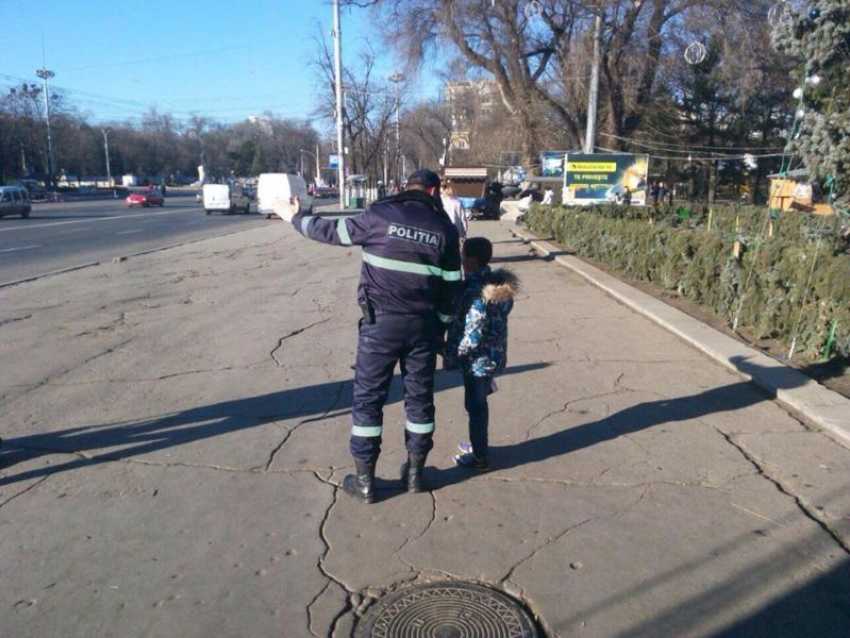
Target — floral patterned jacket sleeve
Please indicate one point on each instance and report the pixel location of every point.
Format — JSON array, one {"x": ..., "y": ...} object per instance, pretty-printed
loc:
[{"x": 473, "y": 330}]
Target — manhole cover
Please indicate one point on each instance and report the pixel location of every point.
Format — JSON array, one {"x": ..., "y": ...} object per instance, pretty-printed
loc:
[{"x": 446, "y": 610}]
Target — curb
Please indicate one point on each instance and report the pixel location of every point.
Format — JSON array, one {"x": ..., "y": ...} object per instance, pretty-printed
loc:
[
  {"x": 118, "y": 259},
  {"x": 158, "y": 249},
  {"x": 15, "y": 282},
  {"x": 794, "y": 390}
]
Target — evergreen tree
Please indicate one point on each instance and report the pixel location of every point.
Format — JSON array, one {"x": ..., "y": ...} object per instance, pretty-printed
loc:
[{"x": 819, "y": 37}]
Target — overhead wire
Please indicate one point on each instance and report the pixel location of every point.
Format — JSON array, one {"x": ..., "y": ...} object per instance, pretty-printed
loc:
[
  {"x": 174, "y": 56},
  {"x": 141, "y": 108},
  {"x": 716, "y": 158},
  {"x": 675, "y": 148}
]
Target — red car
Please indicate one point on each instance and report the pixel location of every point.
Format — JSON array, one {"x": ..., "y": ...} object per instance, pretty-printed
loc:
[{"x": 145, "y": 198}]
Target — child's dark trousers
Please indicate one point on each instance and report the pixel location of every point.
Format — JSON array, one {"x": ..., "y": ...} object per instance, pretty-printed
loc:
[{"x": 476, "y": 390}]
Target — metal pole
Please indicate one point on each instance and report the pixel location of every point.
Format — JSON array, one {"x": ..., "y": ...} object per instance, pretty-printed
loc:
[
  {"x": 46, "y": 74},
  {"x": 397, "y": 135},
  {"x": 105, "y": 132},
  {"x": 318, "y": 168},
  {"x": 315, "y": 157},
  {"x": 396, "y": 78},
  {"x": 593, "y": 104},
  {"x": 338, "y": 82},
  {"x": 386, "y": 160}
]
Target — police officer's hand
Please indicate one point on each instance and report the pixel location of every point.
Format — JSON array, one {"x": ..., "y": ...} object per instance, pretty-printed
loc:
[{"x": 286, "y": 209}]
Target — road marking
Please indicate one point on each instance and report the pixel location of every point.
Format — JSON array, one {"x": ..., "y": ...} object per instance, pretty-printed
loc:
[
  {"x": 130, "y": 232},
  {"x": 99, "y": 219},
  {"x": 10, "y": 250}
]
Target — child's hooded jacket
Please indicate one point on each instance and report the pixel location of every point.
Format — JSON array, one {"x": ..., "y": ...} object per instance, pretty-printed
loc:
[{"x": 477, "y": 341}]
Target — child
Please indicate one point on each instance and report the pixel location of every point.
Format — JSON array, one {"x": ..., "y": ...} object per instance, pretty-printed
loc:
[{"x": 477, "y": 342}]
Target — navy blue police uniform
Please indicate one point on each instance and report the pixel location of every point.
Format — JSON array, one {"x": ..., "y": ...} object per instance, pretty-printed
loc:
[{"x": 409, "y": 282}]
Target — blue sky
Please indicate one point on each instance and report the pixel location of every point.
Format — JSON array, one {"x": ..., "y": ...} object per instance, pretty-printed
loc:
[{"x": 227, "y": 60}]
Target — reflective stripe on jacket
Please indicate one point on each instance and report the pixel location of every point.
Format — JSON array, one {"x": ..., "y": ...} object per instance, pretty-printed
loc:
[{"x": 411, "y": 252}]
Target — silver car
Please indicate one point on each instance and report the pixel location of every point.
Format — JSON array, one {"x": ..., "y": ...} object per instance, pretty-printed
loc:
[{"x": 15, "y": 200}]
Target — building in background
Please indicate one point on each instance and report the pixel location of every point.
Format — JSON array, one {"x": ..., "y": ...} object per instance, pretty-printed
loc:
[{"x": 471, "y": 105}]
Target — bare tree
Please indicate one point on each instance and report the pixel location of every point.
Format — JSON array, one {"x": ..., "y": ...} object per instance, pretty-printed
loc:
[{"x": 368, "y": 108}]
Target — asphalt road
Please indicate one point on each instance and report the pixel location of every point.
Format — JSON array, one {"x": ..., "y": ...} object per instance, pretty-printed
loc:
[{"x": 59, "y": 236}]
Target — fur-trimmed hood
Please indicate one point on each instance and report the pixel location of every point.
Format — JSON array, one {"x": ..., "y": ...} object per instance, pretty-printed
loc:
[{"x": 499, "y": 286}]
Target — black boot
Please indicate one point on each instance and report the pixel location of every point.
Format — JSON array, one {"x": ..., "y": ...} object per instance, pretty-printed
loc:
[
  {"x": 362, "y": 484},
  {"x": 412, "y": 473}
]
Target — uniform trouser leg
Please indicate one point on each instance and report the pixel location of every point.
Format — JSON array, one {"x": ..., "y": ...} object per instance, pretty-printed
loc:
[
  {"x": 377, "y": 353},
  {"x": 418, "y": 363}
]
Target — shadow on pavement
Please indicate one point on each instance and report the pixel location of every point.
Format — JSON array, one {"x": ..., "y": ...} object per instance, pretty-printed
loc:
[
  {"x": 633, "y": 419},
  {"x": 116, "y": 441},
  {"x": 820, "y": 608}
]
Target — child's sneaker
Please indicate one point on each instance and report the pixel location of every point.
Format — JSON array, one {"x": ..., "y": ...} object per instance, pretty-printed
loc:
[
  {"x": 472, "y": 462},
  {"x": 465, "y": 447}
]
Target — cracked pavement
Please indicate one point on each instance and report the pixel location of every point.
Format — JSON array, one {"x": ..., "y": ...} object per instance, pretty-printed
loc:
[{"x": 176, "y": 435}]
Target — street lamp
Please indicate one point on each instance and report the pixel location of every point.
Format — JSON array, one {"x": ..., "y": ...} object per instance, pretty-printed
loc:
[
  {"x": 396, "y": 78},
  {"x": 45, "y": 75},
  {"x": 338, "y": 91}
]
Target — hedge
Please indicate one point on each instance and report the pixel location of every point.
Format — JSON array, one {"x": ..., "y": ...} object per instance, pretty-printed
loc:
[{"x": 691, "y": 252}]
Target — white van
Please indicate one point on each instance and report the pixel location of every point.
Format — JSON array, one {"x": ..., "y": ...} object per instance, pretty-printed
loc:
[
  {"x": 274, "y": 186},
  {"x": 15, "y": 200},
  {"x": 225, "y": 198}
]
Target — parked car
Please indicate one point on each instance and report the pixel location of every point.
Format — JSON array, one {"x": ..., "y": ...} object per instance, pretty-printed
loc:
[
  {"x": 145, "y": 199},
  {"x": 326, "y": 192},
  {"x": 284, "y": 186},
  {"x": 15, "y": 200},
  {"x": 225, "y": 198}
]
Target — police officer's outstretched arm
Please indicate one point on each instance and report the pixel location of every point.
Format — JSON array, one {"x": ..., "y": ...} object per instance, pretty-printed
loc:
[{"x": 344, "y": 231}]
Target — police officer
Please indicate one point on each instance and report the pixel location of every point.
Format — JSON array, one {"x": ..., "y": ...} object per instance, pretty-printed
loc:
[{"x": 409, "y": 282}]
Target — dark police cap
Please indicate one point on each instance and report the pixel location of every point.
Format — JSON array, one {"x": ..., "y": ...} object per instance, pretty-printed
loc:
[{"x": 424, "y": 177}]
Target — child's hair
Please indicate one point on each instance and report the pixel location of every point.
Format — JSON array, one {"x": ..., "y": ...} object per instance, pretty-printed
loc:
[{"x": 480, "y": 248}]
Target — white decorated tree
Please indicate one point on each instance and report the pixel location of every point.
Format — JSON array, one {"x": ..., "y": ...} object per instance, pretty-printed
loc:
[{"x": 818, "y": 37}]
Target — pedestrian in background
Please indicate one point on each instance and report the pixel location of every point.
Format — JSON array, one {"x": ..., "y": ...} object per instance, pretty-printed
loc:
[
  {"x": 409, "y": 284},
  {"x": 477, "y": 343},
  {"x": 454, "y": 209}
]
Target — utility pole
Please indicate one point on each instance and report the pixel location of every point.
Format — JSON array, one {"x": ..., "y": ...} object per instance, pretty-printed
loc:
[
  {"x": 45, "y": 75},
  {"x": 593, "y": 103},
  {"x": 386, "y": 159},
  {"x": 318, "y": 167},
  {"x": 338, "y": 82},
  {"x": 315, "y": 157},
  {"x": 396, "y": 78},
  {"x": 105, "y": 132}
]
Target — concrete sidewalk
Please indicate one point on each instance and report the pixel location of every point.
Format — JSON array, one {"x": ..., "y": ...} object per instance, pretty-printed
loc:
[{"x": 176, "y": 430}]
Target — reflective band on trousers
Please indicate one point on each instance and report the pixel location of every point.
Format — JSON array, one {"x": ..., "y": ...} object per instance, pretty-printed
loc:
[
  {"x": 406, "y": 266},
  {"x": 367, "y": 432},
  {"x": 342, "y": 231},
  {"x": 305, "y": 224},
  {"x": 420, "y": 428},
  {"x": 445, "y": 318}
]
